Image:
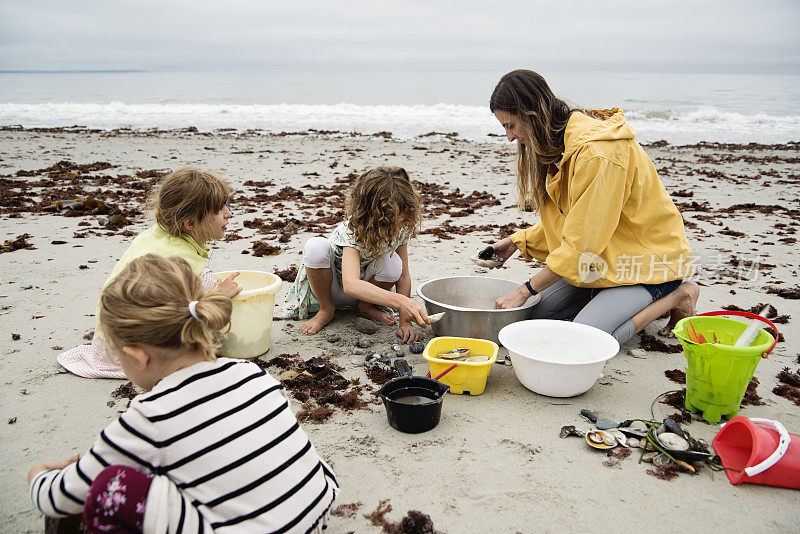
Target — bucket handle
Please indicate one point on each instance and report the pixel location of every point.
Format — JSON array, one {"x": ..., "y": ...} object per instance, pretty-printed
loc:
[
  {"x": 749, "y": 316},
  {"x": 440, "y": 375},
  {"x": 777, "y": 454}
]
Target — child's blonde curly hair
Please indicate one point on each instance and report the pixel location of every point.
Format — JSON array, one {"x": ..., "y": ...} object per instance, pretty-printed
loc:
[{"x": 381, "y": 203}]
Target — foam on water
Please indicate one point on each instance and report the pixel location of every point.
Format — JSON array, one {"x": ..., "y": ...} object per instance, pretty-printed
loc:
[{"x": 474, "y": 123}]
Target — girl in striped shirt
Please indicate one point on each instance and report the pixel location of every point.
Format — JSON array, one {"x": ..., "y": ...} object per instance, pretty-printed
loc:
[{"x": 211, "y": 446}]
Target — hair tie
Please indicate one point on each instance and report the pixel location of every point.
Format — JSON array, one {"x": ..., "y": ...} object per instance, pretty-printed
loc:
[{"x": 193, "y": 310}]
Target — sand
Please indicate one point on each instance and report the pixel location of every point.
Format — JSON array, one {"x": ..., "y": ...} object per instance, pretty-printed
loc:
[{"x": 495, "y": 462}]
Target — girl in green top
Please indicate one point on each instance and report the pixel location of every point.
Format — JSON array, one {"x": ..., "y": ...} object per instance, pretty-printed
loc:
[{"x": 191, "y": 209}]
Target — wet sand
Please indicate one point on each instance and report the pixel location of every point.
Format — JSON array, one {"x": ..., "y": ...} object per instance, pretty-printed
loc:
[{"x": 495, "y": 462}]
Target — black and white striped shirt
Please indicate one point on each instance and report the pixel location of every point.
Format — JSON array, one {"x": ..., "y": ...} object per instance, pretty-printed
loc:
[{"x": 223, "y": 434}]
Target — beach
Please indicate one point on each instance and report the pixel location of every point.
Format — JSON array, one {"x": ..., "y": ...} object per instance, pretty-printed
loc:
[{"x": 495, "y": 462}]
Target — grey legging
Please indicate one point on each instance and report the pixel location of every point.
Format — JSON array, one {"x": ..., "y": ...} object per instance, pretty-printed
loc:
[{"x": 610, "y": 310}]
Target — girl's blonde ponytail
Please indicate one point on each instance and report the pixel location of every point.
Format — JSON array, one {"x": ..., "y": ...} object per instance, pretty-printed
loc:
[{"x": 148, "y": 303}]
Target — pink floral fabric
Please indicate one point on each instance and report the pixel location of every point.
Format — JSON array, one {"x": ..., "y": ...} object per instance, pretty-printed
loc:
[
  {"x": 97, "y": 360},
  {"x": 116, "y": 501}
]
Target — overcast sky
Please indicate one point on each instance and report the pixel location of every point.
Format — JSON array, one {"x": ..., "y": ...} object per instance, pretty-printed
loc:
[{"x": 676, "y": 36}]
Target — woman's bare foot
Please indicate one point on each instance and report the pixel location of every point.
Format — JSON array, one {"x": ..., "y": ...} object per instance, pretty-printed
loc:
[
  {"x": 318, "y": 322},
  {"x": 370, "y": 311},
  {"x": 687, "y": 295}
]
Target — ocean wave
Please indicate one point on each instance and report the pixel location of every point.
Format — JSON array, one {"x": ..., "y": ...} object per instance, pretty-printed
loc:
[{"x": 474, "y": 123}]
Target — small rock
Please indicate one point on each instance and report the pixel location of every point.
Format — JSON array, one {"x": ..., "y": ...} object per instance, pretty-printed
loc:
[
  {"x": 91, "y": 261},
  {"x": 356, "y": 361},
  {"x": 358, "y": 352},
  {"x": 371, "y": 357},
  {"x": 295, "y": 339},
  {"x": 364, "y": 343},
  {"x": 638, "y": 353},
  {"x": 399, "y": 354},
  {"x": 333, "y": 338},
  {"x": 384, "y": 359},
  {"x": 365, "y": 326},
  {"x": 15, "y": 337},
  {"x": 397, "y": 348},
  {"x": 416, "y": 347},
  {"x": 27, "y": 287}
]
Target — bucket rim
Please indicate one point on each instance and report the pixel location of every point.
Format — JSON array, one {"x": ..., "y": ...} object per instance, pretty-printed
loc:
[
  {"x": 270, "y": 289},
  {"x": 761, "y": 347},
  {"x": 464, "y": 309}
]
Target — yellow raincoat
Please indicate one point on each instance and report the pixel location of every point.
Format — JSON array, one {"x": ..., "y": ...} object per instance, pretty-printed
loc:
[{"x": 608, "y": 220}]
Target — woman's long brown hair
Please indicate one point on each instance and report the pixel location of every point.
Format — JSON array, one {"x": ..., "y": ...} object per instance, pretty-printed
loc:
[{"x": 544, "y": 118}]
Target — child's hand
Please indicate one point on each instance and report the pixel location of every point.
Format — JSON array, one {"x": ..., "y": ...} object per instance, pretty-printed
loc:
[
  {"x": 50, "y": 466},
  {"x": 407, "y": 334},
  {"x": 411, "y": 310},
  {"x": 229, "y": 287}
]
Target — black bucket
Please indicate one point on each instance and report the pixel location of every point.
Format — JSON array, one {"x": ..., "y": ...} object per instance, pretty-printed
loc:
[{"x": 413, "y": 403}]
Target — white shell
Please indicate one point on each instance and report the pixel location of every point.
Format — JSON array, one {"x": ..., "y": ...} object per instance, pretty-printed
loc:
[
  {"x": 638, "y": 353},
  {"x": 436, "y": 317},
  {"x": 673, "y": 442},
  {"x": 488, "y": 264},
  {"x": 600, "y": 439}
]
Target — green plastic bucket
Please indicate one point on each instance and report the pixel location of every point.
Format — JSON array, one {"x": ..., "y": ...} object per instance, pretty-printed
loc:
[{"x": 717, "y": 373}]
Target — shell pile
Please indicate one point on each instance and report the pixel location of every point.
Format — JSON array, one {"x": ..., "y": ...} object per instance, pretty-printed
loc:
[{"x": 461, "y": 355}]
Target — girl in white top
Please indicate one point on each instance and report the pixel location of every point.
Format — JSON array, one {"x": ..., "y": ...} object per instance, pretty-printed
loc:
[
  {"x": 211, "y": 446},
  {"x": 364, "y": 258}
]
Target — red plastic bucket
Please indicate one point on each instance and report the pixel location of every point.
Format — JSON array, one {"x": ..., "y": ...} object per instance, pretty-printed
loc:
[{"x": 759, "y": 451}]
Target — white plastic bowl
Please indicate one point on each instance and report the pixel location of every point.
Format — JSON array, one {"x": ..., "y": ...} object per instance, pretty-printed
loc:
[{"x": 557, "y": 358}]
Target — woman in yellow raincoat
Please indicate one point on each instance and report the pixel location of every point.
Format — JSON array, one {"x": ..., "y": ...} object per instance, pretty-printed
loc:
[{"x": 613, "y": 243}]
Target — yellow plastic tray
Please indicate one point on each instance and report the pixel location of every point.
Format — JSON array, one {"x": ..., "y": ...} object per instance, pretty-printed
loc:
[{"x": 468, "y": 377}]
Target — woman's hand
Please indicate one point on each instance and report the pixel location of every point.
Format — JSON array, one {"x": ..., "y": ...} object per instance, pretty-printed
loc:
[
  {"x": 515, "y": 299},
  {"x": 229, "y": 287},
  {"x": 504, "y": 248},
  {"x": 50, "y": 466}
]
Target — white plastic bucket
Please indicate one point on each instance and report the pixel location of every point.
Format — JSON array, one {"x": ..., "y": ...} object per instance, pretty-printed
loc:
[
  {"x": 251, "y": 317},
  {"x": 557, "y": 358}
]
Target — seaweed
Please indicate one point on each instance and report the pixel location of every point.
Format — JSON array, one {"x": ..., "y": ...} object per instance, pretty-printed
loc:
[
  {"x": 415, "y": 522},
  {"x": 676, "y": 375},
  {"x": 665, "y": 472},
  {"x": 788, "y": 377},
  {"x": 788, "y": 392},
  {"x": 751, "y": 398},
  {"x": 380, "y": 374},
  {"x": 18, "y": 243},
  {"x": 652, "y": 343},
  {"x": 346, "y": 510}
]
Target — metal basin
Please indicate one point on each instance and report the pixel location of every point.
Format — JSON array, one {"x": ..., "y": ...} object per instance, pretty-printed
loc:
[{"x": 469, "y": 303}]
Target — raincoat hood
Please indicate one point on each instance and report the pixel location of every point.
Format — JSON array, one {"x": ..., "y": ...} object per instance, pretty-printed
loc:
[{"x": 581, "y": 128}]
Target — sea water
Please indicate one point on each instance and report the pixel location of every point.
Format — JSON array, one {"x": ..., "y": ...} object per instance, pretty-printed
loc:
[{"x": 679, "y": 108}]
